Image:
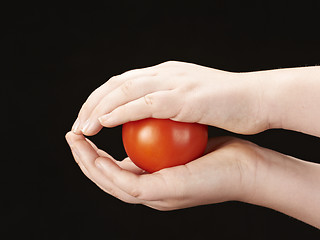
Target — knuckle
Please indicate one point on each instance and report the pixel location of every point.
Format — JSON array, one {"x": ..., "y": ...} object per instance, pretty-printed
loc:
[
  {"x": 136, "y": 193},
  {"x": 132, "y": 72},
  {"x": 124, "y": 74},
  {"x": 113, "y": 80},
  {"x": 129, "y": 72},
  {"x": 164, "y": 64},
  {"x": 180, "y": 114},
  {"x": 149, "y": 99},
  {"x": 170, "y": 62},
  {"x": 138, "y": 190},
  {"x": 126, "y": 87}
]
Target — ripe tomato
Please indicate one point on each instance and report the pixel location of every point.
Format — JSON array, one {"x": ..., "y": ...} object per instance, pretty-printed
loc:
[{"x": 154, "y": 144}]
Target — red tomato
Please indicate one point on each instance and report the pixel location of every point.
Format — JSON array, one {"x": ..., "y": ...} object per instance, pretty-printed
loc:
[{"x": 154, "y": 144}]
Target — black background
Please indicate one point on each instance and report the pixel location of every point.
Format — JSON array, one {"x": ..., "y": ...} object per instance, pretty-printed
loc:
[{"x": 57, "y": 54}]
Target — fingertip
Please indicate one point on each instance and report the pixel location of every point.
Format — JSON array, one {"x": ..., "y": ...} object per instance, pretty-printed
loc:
[
  {"x": 75, "y": 126},
  {"x": 71, "y": 137},
  {"x": 67, "y": 137}
]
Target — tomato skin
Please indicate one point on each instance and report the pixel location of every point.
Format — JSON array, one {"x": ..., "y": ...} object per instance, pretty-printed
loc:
[{"x": 154, "y": 144}]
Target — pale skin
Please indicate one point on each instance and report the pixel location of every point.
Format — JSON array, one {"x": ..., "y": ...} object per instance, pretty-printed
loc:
[{"x": 231, "y": 169}]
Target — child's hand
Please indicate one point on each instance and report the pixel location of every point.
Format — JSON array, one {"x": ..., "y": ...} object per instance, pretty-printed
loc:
[
  {"x": 180, "y": 91},
  {"x": 221, "y": 175}
]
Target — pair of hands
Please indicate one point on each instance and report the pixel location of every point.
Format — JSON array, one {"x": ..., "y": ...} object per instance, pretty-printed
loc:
[
  {"x": 182, "y": 92},
  {"x": 231, "y": 169}
]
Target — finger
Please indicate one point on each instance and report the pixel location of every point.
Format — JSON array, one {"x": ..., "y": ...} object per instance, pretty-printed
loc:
[
  {"x": 86, "y": 156},
  {"x": 77, "y": 159},
  {"x": 82, "y": 147},
  {"x": 88, "y": 175},
  {"x": 111, "y": 189},
  {"x": 128, "y": 91},
  {"x": 162, "y": 104},
  {"x": 126, "y": 164},
  {"x": 147, "y": 187},
  {"x": 93, "y": 99},
  {"x": 96, "y": 96},
  {"x": 82, "y": 167}
]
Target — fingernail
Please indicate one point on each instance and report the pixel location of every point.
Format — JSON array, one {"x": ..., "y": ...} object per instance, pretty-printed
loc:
[
  {"x": 76, "y": 125},
  {"x": 104, "y": 118},
  {"x": 85, "y": 126}
]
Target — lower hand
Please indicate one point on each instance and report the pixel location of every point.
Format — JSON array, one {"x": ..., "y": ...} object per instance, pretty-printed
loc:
[
  {"x": 232, "y": 169},
  {"x": 221, "y": 175}
]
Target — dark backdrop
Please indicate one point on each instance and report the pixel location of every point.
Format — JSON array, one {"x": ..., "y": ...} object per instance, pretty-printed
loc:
[{"x": 57, "y": 54}]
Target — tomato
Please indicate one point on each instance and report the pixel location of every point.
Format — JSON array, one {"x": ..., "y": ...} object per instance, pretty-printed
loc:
[{"x": 154, "y": 144}]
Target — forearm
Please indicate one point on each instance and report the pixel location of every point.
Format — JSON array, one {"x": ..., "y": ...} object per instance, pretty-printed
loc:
[
  {"x": 291, "y": 98},
  {"x": 288, "y": 185}
]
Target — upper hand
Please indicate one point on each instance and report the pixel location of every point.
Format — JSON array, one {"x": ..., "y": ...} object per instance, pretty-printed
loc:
[{"x": 179, "y": 91}]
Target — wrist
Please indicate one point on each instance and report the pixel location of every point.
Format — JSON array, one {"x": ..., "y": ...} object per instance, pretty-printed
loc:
[
  {"x": 292, "y": 96},
  {"x": 286, "y": 97},
  {"x": 270, "y": 89},
  {"x": 287, "y": 185},
  {"x": 258, "y": 92}
]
